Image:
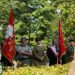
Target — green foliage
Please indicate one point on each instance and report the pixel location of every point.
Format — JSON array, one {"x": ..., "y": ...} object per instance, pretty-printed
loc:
[{"x": 38, "y": 18}]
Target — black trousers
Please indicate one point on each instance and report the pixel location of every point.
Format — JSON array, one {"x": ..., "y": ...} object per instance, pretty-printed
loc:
[
  {"x": 5, "y": 61},
  {"x": 52, "y": 61}
]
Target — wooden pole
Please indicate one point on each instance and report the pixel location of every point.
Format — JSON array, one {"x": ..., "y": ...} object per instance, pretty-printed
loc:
[
  {"x": 58, "y": 12},
  {"x": 29, "y": 33}
]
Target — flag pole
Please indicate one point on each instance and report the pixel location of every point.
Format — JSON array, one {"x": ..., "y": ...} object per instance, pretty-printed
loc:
[{"x": 58, "y": 13}]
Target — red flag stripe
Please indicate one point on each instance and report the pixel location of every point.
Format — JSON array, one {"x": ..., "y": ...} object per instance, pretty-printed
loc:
[
  {"x": 11, "y": 19},
  {"x": 8, "y": 49},
  {"x": 61, "y": 44}
]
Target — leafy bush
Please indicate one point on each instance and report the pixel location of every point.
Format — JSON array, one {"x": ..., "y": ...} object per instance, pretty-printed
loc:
[{"x": 43, "y": 70}]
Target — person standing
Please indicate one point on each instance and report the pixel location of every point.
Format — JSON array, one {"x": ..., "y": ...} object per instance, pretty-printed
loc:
[
  {"x": 52, "y": 54},
  {"x": 70, "y": 51},
  {"x": 24, "y": 52},
  {"x": 39, "y": 53}
]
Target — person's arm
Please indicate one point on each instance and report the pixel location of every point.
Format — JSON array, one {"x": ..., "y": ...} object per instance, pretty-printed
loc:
[
  {"x": 18, "y": 50},
  {"x": 36, "y": 56},
  {"x": 28, "y": 52}
]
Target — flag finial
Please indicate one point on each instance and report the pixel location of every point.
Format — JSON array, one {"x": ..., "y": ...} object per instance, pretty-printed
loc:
[{"x": 58, "y": 12}]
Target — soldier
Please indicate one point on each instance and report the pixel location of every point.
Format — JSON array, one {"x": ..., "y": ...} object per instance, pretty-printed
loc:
[
  {"x": 70, "y": 51},
  {"x": 24, "y": 52},
  {"x": 39, "y": 53}
]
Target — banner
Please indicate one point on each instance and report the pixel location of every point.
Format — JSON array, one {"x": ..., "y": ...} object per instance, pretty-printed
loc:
[
  {"x": 8, "y": 49},
  {"x": 61, "y": 44}
]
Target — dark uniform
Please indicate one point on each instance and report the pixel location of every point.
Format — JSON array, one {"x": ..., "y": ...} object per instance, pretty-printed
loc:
[
  {"x": 38, "y": 55},
  {"x": 70, "y": 53},
  {"x": 64, "y": 58}
]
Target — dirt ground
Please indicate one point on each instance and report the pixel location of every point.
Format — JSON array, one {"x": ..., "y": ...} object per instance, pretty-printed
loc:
[{"x": 72, "y": 68}]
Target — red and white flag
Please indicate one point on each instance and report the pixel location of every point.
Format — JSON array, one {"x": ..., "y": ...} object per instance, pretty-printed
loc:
[
  {"x": 8, "y": 49},
  {"x": 61, "y": 44}
]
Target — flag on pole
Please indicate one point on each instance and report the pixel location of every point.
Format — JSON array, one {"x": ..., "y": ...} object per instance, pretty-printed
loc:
[
  {"x": 8, "y": 49},
  {"x": 61, "y": 44}
]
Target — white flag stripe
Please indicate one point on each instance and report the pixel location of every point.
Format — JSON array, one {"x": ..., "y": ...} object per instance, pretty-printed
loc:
[{"x": 9, "y": 32}]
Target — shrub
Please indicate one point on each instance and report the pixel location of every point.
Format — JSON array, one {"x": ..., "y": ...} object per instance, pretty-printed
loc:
[{"x": 43, "y": 70}]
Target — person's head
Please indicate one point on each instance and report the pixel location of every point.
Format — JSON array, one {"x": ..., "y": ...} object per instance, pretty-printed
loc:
[
  {"x": 38, "y": 40},
  {"x": 72, "y": 42},
  {"x": 23, "y": 41},
  {"x": 54, "y": 42}
]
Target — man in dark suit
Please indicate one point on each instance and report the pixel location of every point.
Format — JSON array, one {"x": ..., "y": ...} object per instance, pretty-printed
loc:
[
  {"x": 70, "y": 51},
  {"x": 52, "y": 55}
]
